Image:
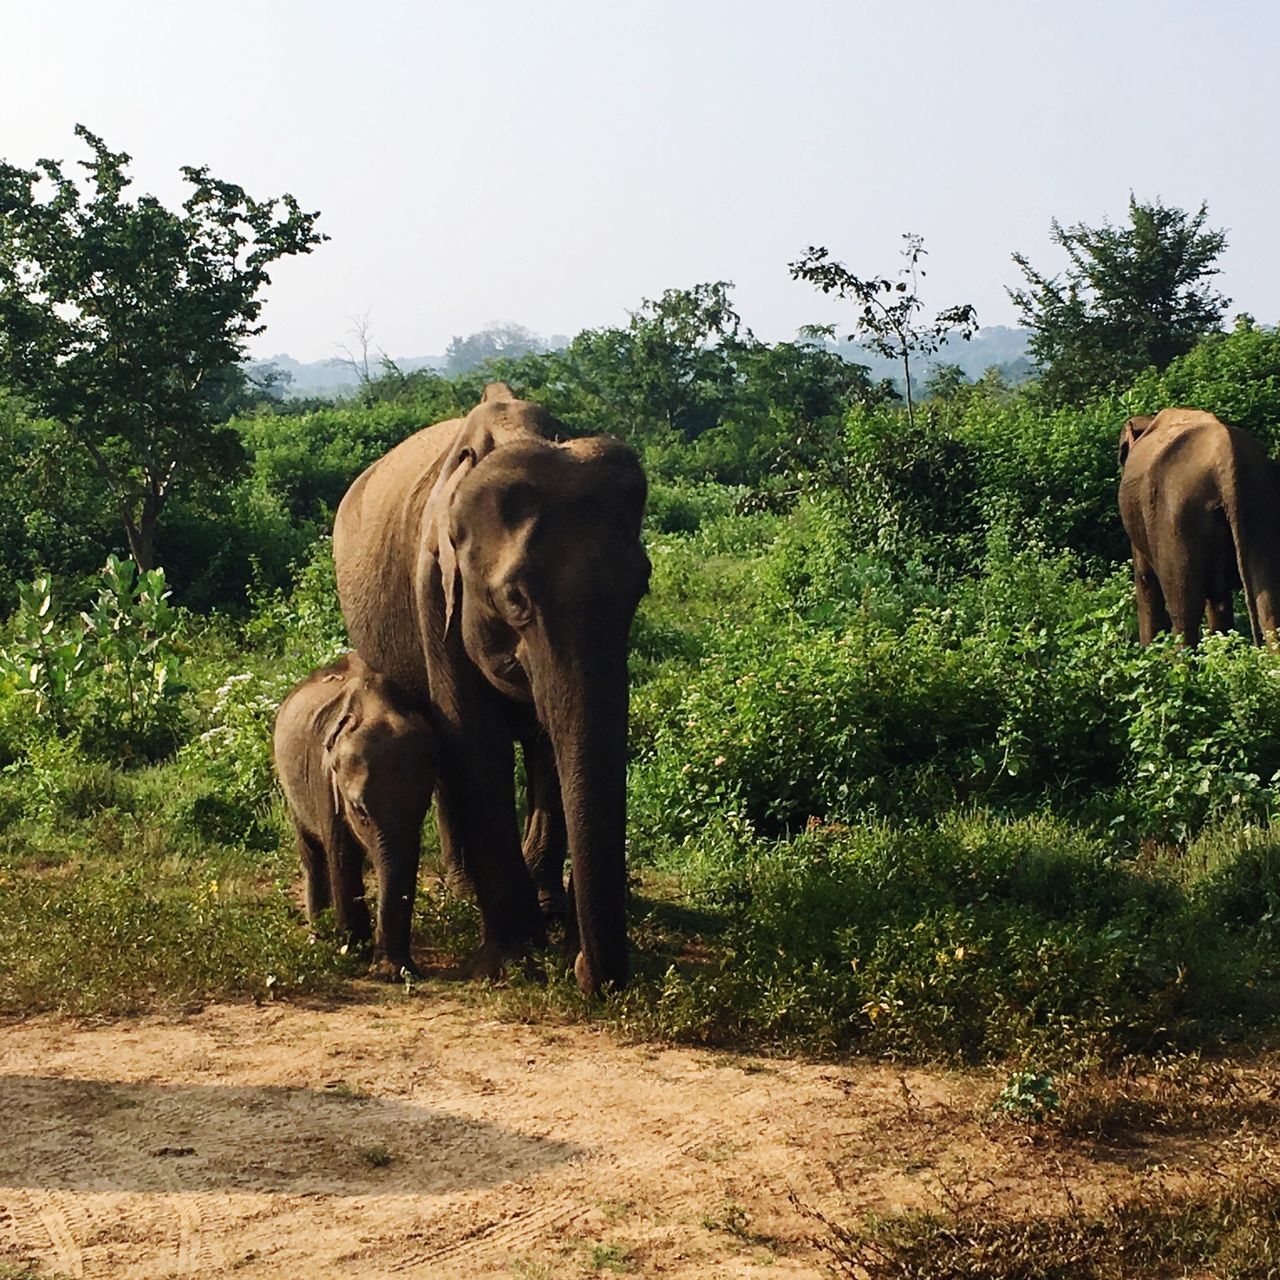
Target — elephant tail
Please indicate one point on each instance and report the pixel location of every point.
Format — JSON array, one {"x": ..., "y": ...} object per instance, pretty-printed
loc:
[
  {"x": 1251, "y": 516},
  {"x": 1246, "y": 582}
]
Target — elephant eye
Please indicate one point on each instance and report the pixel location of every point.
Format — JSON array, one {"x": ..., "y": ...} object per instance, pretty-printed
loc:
[{"x": 514, "y": 605}]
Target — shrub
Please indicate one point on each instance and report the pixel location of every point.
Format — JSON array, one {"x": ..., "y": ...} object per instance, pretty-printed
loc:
[
  {"x": 108, "y": 676},
  {"x": 229, "y": 764},
  {"x": 976, "y": 939}
]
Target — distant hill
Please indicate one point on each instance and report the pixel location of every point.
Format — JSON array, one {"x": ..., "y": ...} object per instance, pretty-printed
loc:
[
  {"x": 999, "y": 345},
  {"x": 333, "y": 377}
]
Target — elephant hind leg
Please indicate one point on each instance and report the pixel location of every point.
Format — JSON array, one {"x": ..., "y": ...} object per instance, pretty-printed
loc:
[
  {"x": 1219, "y": 615},
  {"x": 449, "y": 827},
  {"x": 1153, "y": 616},
  {"x": 1187, "y": 601},
  {"x": 1222, "y": 577},
  {"x": 546, "y": 839}
]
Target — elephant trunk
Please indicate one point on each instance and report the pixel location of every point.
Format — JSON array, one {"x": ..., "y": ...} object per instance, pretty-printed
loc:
[{"x": 581, "y": 694}]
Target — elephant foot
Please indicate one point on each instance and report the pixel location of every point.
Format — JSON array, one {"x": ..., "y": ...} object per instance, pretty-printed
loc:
[
  {"x": 357, "y": 933},
  {"x": 491, "y": 960},
  {"x": 586, "y": 983},
  {"x": 554, "y": 904},
  {"x": 488, "y": 962},
  {"x": 384, "y": 969}
]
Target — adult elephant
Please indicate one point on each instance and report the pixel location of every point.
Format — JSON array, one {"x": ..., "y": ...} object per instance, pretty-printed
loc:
[
  {"x": 1201, "y": 505},
  {"x": 496, "y": 568}
]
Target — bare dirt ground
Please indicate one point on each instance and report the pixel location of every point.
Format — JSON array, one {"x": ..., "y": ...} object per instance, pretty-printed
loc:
[{"x": 422, "y": 1138}]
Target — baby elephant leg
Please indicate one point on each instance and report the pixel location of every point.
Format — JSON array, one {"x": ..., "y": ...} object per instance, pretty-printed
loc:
[
  {"x": 315, "y": 874},
  {"x": 346, "y": 874},
  {"x": 397, "y": 870}
]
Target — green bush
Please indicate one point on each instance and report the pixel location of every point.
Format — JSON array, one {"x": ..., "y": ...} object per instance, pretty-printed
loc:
[
  {"x": 228, "y": 765},
  {"x": 109, "y": 675},
  {"x": 1235, "y": 375},
  {"x": 976, "y": 939}
]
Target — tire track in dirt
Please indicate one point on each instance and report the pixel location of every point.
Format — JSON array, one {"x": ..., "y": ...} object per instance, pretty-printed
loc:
[
  {"x": 189, "y": 1236},
  {"x": 23, "y": 1237},
  {"x": 421, "y": 1139},
  {"x": 51, "y": 1209},
  {"x": 509, "y": 1234}
]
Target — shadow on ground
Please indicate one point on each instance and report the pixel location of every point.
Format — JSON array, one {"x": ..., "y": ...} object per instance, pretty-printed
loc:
[{"x": 104, "y": 1135}]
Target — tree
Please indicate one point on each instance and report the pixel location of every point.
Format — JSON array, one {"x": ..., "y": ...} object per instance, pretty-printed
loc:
[
  {"x": 494, "y": 342},
  {"x": 887, "y": 309},
  {"x": 672, "y": 368},
  {"x": 126, "y": 321},
  {"x": 1133, "y": 297}
]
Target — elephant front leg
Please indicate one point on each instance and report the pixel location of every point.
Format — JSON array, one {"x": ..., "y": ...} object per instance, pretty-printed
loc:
[
  {"x": 397, "y": 871},
  {"x": 546, "y": 842},
  {"x": 479, "y": 789},
  {"x": 346, "y": 875},
  {"x": 315, "y": 876}
]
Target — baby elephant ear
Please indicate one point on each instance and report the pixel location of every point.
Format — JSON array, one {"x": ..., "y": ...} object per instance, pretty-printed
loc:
[
  {"x": 1131, "y": 431},
  {"x": 345, "y": 720}
]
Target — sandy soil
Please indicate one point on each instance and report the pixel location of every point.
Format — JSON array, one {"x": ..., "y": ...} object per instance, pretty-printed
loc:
[{"x": 421, "y": 1138}]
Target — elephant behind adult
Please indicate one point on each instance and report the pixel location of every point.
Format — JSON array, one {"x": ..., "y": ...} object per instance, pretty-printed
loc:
[
  {"x": 356, "y": 759},
  {"x": 496, "y": 569},
  {"x": 1201, "y": 505}
]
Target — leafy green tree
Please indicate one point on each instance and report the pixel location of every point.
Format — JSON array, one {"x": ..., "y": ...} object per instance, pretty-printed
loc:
[
  {"x": 1132, "y": 297},
  {"x": 945, "y": 382},
  {"x": 51, "y": 512},
  {"x": 888, "y": 310},
  {"x": 786, "y": 427},
  {"x": 126, "y": 321},
  {"x": 671, "y": 369}
]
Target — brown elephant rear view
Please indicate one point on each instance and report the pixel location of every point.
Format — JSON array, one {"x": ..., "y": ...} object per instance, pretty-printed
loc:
[
  {"x": 1201, "y": 505},
  {"x": 496, "y": 569}
]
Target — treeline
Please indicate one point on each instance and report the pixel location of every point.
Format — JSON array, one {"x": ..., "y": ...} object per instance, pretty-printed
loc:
[{"x": 773, "y": 422}]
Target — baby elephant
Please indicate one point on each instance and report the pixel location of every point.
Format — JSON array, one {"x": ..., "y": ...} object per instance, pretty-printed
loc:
[{"x": 357, "y": 762}]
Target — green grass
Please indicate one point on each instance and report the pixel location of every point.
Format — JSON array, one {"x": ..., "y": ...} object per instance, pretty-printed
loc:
[{"x": 976, "y": 938}]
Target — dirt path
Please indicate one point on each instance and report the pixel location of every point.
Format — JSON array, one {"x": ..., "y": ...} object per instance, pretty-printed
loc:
[{"x": 420, "y": 1139}]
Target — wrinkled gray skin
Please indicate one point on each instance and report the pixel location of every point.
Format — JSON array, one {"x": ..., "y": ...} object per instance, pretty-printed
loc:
[
  {"x": 496, "y": 571},
  {"x": 1201, "y": 505},
  {"x": 356, "y": 758}
]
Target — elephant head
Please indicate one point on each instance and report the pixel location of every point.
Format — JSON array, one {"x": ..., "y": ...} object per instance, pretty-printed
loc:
[
  {"x": 1131, "y": 431},
  {"x": 541, "y": 567},
  {"x": 379, "y": 759}
]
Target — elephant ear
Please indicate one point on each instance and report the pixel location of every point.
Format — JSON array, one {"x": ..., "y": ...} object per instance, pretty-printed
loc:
[
  {"x": 1131, "y": 431},
  {"x": 467, "y": 448},
  {"x": 345, "y": 721}
]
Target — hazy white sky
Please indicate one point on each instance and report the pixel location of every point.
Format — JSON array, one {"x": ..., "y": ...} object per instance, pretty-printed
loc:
[{"x": 553, "y": 163}]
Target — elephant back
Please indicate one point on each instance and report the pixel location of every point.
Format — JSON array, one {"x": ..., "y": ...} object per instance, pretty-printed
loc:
[{"x": 376, "y": 533}]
